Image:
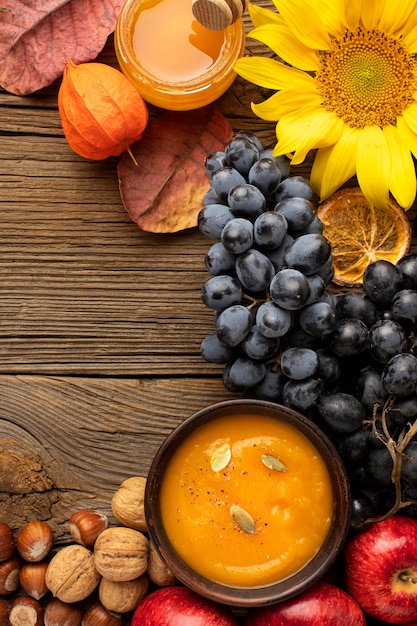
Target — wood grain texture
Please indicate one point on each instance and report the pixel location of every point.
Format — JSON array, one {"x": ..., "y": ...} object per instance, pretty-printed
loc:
[
  {"x": 67, "y": 442},
  {"x": 100, "y": 323}
]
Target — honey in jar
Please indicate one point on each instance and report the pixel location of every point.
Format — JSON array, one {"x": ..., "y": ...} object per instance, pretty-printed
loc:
[{"x": 175, "y": 62}]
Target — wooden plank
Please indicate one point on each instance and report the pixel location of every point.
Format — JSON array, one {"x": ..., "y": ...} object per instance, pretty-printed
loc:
[{"x": 67, "y": 443}]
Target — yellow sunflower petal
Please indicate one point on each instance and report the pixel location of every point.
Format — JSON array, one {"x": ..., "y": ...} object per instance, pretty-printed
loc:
[
  {"x": 407, "y": 136},
  {"x": 271, "y": 74},
  {"x": 260, "y": 16},
  {"x": 281, "y": 41},
  {"x": 305, "y": 130},
  {"x": 286, "y": 102},
  {"x": 334, "y": 165},
  {"x": 373, "y": 165},
  {"x": 332, "y": 13},
  {"x": 371, "y": 12},
  {"x": 303, "y": 18},
  {"x": 353, "y": 14},
  {"x": 403, "y": 176},
  {"x": 410, "y": 34},
  {"x": 396, "y": 16},
  {"x": 410, "y": 117}
]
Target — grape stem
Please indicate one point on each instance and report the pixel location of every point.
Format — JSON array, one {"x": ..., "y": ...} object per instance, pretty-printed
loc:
[{"x": 396, "y": 450}]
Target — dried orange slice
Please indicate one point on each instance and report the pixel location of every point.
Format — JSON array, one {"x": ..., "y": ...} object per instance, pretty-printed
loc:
[{"x": 359, "y": 233}]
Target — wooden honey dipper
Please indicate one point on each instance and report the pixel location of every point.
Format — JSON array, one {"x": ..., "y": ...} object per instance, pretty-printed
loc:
[{"x": 218, "y": 14}]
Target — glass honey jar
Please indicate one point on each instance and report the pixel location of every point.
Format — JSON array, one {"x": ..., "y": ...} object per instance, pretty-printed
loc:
[{"x": 174, "y": 61}]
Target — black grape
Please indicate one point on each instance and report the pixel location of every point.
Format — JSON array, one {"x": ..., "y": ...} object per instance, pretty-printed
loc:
[
  {"x": 348, "y": 338},
  {"x": 254, "y": 270},
  {"x": 294, "y": 187},
  {"x": 272, "y": 320},
  {"x": 301, "y": 394},
  {"x": 246, "y": 201},
  {"x": 256, "y": 346},
  {"x": 404, "y": 307},
  {"x": 386, "y": 339},
  {"x": 399, "y": 376},
  {"x": 219, "y": 260},
  {"x": 233, "y": 324},
  {"x": 318, "y": 319},
  {"x": 341, "y": 411},
  {"x": 298, "y": 212},
  {"x": 221, "y": 291},
  {"x": 213, "y": 218},
  {"x": 381, "y": 281},
  {"x": 308, "y": 253},
  {"x": 369, "y": 388},
  {"x": 224, "y": 179},
  {"x": 270, "y": 229},
  {"x": 290, "y": 289},
  {"x": 241, "y": 153},
  {"x": 357, "y": 305},
  {"x": 407, "y": 267},
  {"x": 215, "y": 161},
  {"x": 299, "y": 363},
  {"x": 237, "y": 235},
  {"x": 266, "y": 175},
  {"x": 214, "y": 351}
]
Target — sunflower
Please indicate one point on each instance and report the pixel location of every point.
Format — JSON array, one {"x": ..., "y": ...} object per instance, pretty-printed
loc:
[{"x": 345, "y": 84}]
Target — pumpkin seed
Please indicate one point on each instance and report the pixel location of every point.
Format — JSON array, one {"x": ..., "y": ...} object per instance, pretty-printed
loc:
[
  {"x": 243, "y": 519},
  {"x": 273, "y": 463},
  {"x": 221, "y": 457}
]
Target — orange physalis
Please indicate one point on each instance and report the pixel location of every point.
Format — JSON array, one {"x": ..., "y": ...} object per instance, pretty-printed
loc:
[{"x": 101, "y": 112}]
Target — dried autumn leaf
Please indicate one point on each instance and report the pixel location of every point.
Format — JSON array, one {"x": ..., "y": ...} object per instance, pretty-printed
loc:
[
  {"x": 101, "y": 111},
  {"x": 164, "y": 193},
  {"x": 38, "y": 38}
]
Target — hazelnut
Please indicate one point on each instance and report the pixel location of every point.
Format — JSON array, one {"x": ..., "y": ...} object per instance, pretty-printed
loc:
[
  {"x": 127, "y": 503},
  {"x": 35, "y": 541},
  {"x": 6, "y": 542},
  {"x": 4, "y": 613},
  {"x": 71, "y": 575},
  {"x": 86, "y": 525},
  {"x": 9, "y": 576},
  {"x": 122, "y": 597},
  {"x": 25, "y": 611},
  {"x": 58, "y": 613},
  {"x": 121, "y": 554},
  {"x": 97, "y": 615},
  {"x": 158, "y": 571},
  {"x": 32, "y": 579}
]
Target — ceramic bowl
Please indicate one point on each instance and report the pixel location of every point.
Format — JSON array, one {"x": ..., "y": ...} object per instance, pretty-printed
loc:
[{"x": 264, "y": 594}]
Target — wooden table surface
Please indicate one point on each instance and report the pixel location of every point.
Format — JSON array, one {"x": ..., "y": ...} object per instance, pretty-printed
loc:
[{"x": 100, "y": 323}]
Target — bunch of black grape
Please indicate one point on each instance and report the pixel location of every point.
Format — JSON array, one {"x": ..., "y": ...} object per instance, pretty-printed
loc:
[{"x": 348, "y": 359}]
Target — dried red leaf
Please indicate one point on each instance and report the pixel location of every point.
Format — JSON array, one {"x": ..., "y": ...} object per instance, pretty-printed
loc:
[
  {"x": 38, "y": 38},
  {"x": 164, "y": 192}
]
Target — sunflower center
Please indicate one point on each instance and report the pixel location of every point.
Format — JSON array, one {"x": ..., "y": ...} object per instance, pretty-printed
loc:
[{"x": 367, "y": 78}]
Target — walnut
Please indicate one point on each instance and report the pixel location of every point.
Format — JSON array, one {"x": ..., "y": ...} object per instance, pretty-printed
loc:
[
  {"x": 158, "y": 571},
  {"x": 71, "y": 575},
  {"x": 121, "y": 554},
  {"x": 122, "y": 597},
  {"x": 128, "y": 503}
]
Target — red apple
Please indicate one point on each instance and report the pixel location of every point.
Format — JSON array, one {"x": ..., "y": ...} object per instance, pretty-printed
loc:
[
  {"x": 180, "y": 606},
  {"x": 322, "y": 604},
  {"x": 381, "y": 569}
]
